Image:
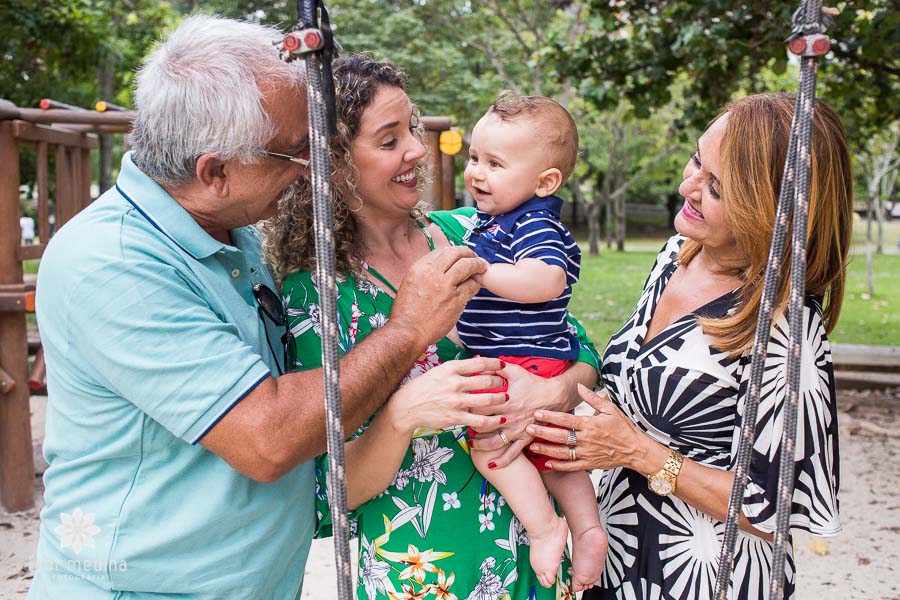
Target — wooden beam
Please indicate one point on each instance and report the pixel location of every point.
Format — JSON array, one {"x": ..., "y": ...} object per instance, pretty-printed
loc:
[
  {"x": 32, "y": 252},
  {"x": 9, "y": 111},
  {"x": 435, "y": 123},
  {"x": 29, "y": 132}
]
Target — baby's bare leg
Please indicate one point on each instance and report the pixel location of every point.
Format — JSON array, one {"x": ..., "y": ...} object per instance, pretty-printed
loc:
[
  {"x": 576, "y": 497},
  {"x": 522, "y": 487}
]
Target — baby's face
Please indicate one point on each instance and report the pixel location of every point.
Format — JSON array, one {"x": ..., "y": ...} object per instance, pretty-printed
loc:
[{"x": 505, "y": 164}]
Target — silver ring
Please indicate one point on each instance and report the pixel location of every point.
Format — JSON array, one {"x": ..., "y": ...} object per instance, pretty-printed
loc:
[
  {"x": 504, "y": 437},
  {"x": 572, "y": 453},
  {"x": 571, "y": 440}
]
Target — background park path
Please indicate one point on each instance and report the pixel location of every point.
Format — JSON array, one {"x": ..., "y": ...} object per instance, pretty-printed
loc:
[{"x": 863, "y": 562}]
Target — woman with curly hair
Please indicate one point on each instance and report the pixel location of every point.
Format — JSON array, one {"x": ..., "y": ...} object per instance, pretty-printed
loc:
[{"x": 427, "y": 521}]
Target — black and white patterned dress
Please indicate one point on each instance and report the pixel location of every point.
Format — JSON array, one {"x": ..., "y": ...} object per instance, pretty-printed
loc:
[{"x": 689, "y": 396}]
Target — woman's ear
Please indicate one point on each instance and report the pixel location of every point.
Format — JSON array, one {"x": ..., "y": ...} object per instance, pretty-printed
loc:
[
  {"x": 548, "y": 182},
  {"x": 212, "y": 174}
]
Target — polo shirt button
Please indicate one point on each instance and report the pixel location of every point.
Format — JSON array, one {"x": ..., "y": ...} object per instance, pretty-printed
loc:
[
  {"x": 236, "y": 273},
  {"x": 220, "y": 252}
]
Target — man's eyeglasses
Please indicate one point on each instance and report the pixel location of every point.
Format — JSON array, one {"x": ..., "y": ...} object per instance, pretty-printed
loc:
[
  {"x": 269, "y": 304},
  {"x": 293, "y": 159}
]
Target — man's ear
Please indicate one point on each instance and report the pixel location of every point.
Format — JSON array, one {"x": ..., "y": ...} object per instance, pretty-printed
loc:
[
  {"x": 548, "y": 182},
  {"x": 212, "y": 173}
]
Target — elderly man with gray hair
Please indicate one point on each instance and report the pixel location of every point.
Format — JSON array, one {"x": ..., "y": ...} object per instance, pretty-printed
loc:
[{"x": 179, "y": 459}]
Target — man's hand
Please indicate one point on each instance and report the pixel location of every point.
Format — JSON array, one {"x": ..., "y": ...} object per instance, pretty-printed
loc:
[{"x": 435, "y": 291}]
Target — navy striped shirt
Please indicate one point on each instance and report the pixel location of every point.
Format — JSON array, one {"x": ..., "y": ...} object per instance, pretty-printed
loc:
[{"x": 495, "y": 326}]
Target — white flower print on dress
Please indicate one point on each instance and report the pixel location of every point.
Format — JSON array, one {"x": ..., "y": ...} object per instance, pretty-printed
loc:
[
  {"x": 489, "y": 587},
  {"x": 315, "y": 317},
  {"x": 367, "y": 287},
  {"x": 378, "y": 321},
  {"x": 426, "y": 362},
  {"x": 77, "y": 530},
  {"x": 487, "y": 521},
  {"x": 401, "y": 479},
  {"x": 373, "y": 572},
  {"x": 450, "y": 500},
  {"x": 428, "y": 458}
]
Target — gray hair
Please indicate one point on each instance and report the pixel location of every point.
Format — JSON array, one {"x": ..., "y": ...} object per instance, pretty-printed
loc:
[{"x": 201, "y": 91}]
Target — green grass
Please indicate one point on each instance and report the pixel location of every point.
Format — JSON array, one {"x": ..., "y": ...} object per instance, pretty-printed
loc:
[
  {"x": 871, "y": 319},
  {"x": 611, "y": 283}
]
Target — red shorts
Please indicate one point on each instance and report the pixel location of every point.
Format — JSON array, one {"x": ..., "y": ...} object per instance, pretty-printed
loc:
[{"x": 543, "y": 367}]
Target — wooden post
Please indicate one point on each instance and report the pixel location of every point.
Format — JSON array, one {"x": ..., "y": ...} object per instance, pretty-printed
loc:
[
  {"x": 433, "y": 189},
  {"x": 16, "y": 453},
  {"x": 448, "y": 182}
]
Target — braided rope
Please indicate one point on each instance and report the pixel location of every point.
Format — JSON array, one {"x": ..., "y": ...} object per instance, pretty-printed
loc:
[
  {"x": 326, "y": 283},
  {"x": 794, "y": 194}
]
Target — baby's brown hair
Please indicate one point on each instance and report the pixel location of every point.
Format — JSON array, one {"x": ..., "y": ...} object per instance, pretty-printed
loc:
[{"x": 556, "y": 128}]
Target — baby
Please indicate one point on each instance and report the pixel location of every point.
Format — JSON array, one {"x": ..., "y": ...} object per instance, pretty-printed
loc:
[{"x": 522, "y": 151}]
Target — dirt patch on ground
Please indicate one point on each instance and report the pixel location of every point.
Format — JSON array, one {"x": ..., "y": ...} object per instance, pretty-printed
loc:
[{"x": 862, "y": 562}]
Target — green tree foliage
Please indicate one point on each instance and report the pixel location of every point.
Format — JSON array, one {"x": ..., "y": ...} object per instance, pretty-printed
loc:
[
  {"x": 637, "y": 50},
  {"x": 46, "y": 48}
]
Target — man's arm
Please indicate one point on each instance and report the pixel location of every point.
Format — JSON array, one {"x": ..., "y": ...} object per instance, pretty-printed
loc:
[{"x": 281, "y": 423}]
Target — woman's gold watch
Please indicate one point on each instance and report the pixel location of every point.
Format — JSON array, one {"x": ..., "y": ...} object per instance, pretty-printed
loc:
[{"x": 663, "y": 481}]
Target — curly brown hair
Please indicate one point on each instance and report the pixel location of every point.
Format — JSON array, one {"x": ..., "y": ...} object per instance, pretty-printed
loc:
[{"x": 288, "y": 236}]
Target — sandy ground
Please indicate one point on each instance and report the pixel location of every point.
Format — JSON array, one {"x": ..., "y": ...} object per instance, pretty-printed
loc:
[{"x": 863, "y": 562}]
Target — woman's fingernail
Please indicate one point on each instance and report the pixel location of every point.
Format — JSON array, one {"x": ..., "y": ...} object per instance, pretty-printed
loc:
[
  {"x": 502, "y": 364},
  {"x": 507, "y": 396},
  {"x": 529, "y": 430},
  {"x": 539, "y": 416},
  {"x": 492, "y": 465},
  {"x": 502, "y": 420}
]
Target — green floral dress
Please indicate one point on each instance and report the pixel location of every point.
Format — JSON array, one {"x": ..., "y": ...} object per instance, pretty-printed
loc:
[{"x": 440, "y": 530}]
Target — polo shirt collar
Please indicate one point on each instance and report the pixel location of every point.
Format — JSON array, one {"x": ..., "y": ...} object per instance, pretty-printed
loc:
[
  {"x": 163, "y": 212},
  {"x": 552, "y": 204}
]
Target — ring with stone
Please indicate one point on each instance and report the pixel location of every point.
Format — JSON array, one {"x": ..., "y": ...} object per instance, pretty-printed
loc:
[
  {"x": 504, "y": 437},
  {"x": 571, "y": 440}
]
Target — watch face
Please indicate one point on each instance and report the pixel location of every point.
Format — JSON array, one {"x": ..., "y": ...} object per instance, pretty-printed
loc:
[{"x": 661, "y": 486}]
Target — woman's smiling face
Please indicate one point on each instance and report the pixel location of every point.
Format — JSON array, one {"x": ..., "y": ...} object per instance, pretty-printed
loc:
[
  {"x": 702, "y": 218},
  {"x": 386, "y": 151}
]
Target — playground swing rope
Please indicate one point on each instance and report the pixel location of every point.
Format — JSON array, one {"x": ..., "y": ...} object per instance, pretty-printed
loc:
[{"x": 316, "y": 46}]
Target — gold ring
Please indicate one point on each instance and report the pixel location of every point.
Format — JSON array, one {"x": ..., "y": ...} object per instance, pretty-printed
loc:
[
  {"x": 572, "y": 453},
  {"x": 504, "y": 437}
]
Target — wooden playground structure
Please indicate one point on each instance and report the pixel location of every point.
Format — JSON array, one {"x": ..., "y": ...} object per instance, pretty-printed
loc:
[{"x": 68, "y": 137}]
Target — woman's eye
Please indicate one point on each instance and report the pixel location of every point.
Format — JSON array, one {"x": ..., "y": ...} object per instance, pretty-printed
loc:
[
  {"x": 495, "y": 164},
  {"x": 714, "y": 192},
  {"x": 696, "y": 160},
  {"x": 390, "y": 143}
]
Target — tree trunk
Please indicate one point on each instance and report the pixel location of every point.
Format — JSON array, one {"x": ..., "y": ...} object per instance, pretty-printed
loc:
[
  {"x": 106, "y": 75},
  {"x": 870, "y": 278},
  {"x": 593, "y": 212}
]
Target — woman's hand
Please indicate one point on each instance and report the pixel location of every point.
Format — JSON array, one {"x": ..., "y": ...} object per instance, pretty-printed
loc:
[
  {"x": 528, "y": 393},
  {"x": 440, "y": 398},
  {"x": 605, "y": 440}
]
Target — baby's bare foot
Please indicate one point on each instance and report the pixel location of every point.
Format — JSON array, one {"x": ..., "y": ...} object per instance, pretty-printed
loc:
[
  {"x": 547, "y": 549},
  {"x": 588, "y": 557}
]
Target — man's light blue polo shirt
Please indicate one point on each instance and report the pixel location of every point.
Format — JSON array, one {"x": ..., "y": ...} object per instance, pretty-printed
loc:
[{"x": 151, "y": 334}]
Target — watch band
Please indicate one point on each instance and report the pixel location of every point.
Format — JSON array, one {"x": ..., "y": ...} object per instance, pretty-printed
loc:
[{"x": 664, "y": 481}]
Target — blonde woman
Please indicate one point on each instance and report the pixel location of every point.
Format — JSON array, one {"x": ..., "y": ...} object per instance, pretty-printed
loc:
[{"x": 677, "y": 371}]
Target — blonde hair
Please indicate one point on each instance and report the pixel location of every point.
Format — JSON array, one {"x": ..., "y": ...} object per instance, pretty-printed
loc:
[
  {"x": 753, "y": 151},
  {"x": 289, "y": 238},
  {"x": 556, "y": 130}
]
